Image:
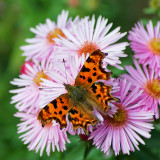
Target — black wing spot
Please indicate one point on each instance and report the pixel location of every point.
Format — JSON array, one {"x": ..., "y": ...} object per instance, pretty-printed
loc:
[
  {"x": 61, "y": 102},
  {"x": 73, "y": 111},
  {"x": 94, "y": 74},
  {"x": 84, "y": 69},
  {"x": 94, "y": 69},
  {"x": 54, "y": 102},
  {"x": 60, "y": 112},
  {"x": 98, "y": 95},
  {"x": 83, "y": 77},
  {"x": 65, "y": 107},
  {"x": 55, "y": 112},
  {"x": 94, "y": 87},
  {"x": 89, "y": 80}
]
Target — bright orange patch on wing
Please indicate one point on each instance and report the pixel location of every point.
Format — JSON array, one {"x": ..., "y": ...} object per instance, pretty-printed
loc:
[
  {"x": 55, "y": 110},
  {"x": 92, "y": 71},
  {"x": 81, "y": 120},
  {"x": 102, "y": 94}
]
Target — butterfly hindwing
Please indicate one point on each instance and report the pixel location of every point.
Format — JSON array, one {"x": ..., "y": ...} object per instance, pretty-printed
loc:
[
  {"x": 102, "y": 94},
  {"x": 56, "y": 110},
  {"x": 92, "y": 71},
  {"x": 81, "y": 120}
]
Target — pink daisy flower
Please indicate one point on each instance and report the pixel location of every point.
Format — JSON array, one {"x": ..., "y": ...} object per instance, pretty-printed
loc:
[
  {"x": 121, "y": 130},
  {"x": 146, "y": 44},
  {"x": 148, "y": 81},
  {"x": 85, "y": 37},
  {"x": 38, "y": 137},
  {"x": 28, "y": 94},
  {"x": 43, "y": 44}
]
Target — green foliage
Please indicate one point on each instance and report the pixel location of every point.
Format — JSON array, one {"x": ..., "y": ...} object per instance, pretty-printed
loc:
[{"x": 16, "y": 17}]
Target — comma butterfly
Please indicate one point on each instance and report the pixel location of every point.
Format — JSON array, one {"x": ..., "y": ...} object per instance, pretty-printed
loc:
[{"x": 78, "y": 103}]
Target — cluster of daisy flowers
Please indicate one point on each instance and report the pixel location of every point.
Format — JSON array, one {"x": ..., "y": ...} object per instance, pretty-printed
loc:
[{"x": 56, "y": 54}]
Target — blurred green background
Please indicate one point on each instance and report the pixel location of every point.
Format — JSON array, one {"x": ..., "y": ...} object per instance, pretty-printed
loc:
[{"x": 16, "y": 17}]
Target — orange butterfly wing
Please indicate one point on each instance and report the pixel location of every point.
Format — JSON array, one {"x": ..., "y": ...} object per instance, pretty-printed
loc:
[
  {"x": 56, "y": 110},
  {"x": 81, "y": 120},
  {"x": 102, "y": 95},
  {"x": 92, "y": 71}
]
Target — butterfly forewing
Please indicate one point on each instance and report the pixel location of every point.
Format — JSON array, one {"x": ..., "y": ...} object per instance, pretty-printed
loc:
[
  {"x": 56, "y": 110},
  {"x": 92, "y": 71}
]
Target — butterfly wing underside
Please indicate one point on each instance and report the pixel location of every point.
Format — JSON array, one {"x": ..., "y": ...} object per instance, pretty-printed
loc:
[
  {"x": 56, "y": 110},
  {"x": 92, "y": 71}
]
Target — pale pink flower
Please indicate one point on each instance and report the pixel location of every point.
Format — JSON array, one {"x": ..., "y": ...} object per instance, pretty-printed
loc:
[
  {"x": 43, "y": 44},
  {"x": 121, "y": 131},
  {"x": 28, "y": 92},
  {"x": 41, "y": 138},
  {"x": 146, "y": 44},
  {"x": 87, "y": 36},
  {"x": 148, "y": 80}
]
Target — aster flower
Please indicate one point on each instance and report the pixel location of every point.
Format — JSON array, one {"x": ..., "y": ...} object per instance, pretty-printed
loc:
[
  {"x": 146, "y": 44},
  {"x": 121, "y": 131},
  {"x": 43, "y": 44},
  {"x": 38, "y": 137},
  {"x": 148, "y": 80},
  {"x": 85, "y": 37},
  {"x": 28, "y": 94}
]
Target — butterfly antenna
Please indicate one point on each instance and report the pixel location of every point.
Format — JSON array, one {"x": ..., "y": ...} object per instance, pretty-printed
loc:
[{"x": 65, "y": 70}]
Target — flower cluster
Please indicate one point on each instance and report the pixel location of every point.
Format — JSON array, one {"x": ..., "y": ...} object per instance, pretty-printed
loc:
[
  {"x": 56, "y": 54},
  {"x": 146, "y": 47}
]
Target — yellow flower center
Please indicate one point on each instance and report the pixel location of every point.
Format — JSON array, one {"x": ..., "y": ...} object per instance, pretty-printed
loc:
[
  {"x": 155, "y": 46},
  {"x": 38, "y": 76},
  {"x": 55, "y": 34},
  {"x": 153, "y": 88},
  {"x": 120, "y": 116},
  {"x": 87, "y": 47}
]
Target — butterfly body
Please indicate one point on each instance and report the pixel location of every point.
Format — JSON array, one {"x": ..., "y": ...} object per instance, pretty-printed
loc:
[
  {"x": 76, "y": 93},
  {"x": 82, "y": 97}
]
